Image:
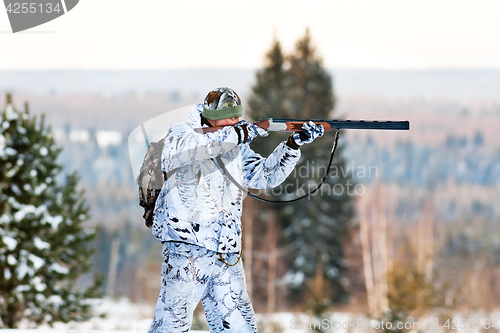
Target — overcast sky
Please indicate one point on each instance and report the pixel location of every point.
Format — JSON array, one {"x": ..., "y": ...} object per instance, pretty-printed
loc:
[{"x": 162, "y": 34}]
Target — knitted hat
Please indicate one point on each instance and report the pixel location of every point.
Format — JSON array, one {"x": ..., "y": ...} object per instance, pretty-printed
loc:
[{"x": 222, "y": 103}]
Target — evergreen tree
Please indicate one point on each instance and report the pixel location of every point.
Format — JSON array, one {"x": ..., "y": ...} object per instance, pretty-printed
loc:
[
  {"x": 44, "y": 247},
  {"x": 298, "y": 86},
  {"x": 269, "y": 91},
  {"x": 268, "y": 97}
]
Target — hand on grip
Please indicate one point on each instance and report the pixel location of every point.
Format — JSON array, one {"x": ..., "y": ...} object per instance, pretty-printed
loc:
[
  {"x": 247, "y": 132},
  {"x": 310, "y": 131}
]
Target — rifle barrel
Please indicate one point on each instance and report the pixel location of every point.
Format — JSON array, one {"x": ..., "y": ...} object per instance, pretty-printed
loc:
[{"x": 277, "y": 124}]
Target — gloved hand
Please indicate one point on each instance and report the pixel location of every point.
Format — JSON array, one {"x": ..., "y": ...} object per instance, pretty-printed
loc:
[
  {"x": 247, "y": 131},
  {"x": 310, "y": 131}
]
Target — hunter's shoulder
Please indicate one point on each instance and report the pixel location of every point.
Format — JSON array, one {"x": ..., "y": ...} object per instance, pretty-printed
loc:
[{"x": 179, "y": 129}]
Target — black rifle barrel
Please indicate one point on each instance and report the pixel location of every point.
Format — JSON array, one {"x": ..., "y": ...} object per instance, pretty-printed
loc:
[{"x": 349, "y": 124}]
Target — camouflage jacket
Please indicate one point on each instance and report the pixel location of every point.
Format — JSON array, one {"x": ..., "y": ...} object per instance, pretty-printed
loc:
[{"x": 198, "y": 204}]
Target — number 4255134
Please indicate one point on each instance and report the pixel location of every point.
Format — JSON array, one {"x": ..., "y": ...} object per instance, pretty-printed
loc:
[
  {"x": 470, "y": 324},
  {"x": 32, "y": 7}
]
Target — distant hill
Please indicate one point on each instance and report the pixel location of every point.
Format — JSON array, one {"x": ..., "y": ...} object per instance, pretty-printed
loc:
[{"x": 444, "y": 83}]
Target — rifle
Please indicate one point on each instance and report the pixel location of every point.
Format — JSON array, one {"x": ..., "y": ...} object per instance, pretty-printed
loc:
[{"x": 295, "y": 125}]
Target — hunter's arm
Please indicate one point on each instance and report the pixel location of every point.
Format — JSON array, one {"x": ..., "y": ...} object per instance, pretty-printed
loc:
[
  {"x": 183, "y": 146},
  {"x": 260, "y": 172}
]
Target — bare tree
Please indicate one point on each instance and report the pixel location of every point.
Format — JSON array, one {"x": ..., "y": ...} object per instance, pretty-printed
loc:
[{"x": 373, "y": 226}]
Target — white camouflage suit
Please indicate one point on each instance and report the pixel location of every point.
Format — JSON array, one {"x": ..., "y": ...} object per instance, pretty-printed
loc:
[{"x": 198, "y": 215}]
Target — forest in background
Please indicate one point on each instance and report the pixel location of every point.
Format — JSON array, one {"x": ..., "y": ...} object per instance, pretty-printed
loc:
[
  {"x": 460, "y": 172},
  {"x": 433, "y": 198}
]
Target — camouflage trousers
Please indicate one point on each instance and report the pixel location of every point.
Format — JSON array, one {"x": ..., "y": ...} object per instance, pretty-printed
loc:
[{"x": 191, "y": 273}]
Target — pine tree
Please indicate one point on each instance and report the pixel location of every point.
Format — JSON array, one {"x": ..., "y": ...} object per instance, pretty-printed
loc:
[
  {"x": 268, "y": 98},
  {"x": 268, "y": 93},
  {"x": 44, "y": 247},
  {"x": 298, "y": 86}
]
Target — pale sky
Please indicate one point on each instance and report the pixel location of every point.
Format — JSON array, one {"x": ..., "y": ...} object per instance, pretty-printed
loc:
[{"x": 162, "y": 34}]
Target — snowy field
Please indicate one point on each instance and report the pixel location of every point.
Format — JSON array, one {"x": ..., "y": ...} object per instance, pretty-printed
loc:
[
  {"x": 121, "y": 315},
  {"x": 125, "y": 316}
]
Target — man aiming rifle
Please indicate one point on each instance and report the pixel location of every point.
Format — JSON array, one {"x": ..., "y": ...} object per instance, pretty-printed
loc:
[
  {"x": 197, "y": 215},
  {"x": 206, "y": 161}
]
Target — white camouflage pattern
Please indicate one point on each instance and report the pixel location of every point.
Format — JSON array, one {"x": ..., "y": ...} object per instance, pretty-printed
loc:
[
  {"x": 310, "y": 131},
  {"x": 191, "y": 273},
  {"x": 221, "y": 98},
  {"x": 198, "y": 204}
]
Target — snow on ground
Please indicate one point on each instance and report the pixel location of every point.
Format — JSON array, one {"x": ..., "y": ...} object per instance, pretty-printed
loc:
[
  {"x": 120, "y": 315},
  {"x": 125, "y": 316}
]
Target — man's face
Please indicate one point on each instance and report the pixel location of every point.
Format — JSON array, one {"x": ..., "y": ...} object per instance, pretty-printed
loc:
[{"x": 224, "y": 122}]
